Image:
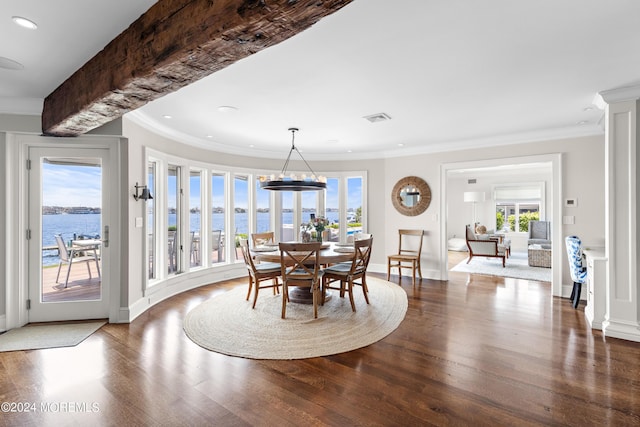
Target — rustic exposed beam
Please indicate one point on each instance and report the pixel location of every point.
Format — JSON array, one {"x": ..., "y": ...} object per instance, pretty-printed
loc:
[{"x": 176, "y": 42}]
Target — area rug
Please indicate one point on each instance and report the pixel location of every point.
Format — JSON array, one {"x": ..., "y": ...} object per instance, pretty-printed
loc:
[
  {"x": 227, "y": 324},
  {"x": 34, "y": 337},
  {"x": 517, "y": 266}
]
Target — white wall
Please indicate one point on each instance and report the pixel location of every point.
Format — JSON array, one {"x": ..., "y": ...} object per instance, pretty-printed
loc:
[{"x": 582, "y": 178}]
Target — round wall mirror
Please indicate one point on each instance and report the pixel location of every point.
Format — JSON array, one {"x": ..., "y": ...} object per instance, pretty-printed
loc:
[{"x": 411, "y": 196}]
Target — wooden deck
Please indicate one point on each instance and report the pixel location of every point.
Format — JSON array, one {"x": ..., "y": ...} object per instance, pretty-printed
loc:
[{"x": 79, "y": 288}]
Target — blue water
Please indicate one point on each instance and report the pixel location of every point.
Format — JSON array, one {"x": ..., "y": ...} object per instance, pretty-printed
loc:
[{"x": 89, "y": 225}]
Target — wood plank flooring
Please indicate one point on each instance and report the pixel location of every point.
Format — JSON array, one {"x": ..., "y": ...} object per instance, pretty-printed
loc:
[{"x": 475, "y": 350}]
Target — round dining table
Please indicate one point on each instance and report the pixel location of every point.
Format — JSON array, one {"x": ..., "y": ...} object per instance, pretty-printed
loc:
[{"x": 331, "y": 253}]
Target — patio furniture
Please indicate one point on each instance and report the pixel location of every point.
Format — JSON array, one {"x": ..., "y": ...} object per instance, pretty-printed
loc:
[{"x": 69, "y": 256}]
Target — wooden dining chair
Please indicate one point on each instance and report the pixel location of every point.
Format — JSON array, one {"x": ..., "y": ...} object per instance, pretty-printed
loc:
[
  {"x": 300, "y": 267},
  {"x": 259, "y": 273},
  {"x": 348, "y": 272},
  {"x": 409, "y": 253},
  {"x": 258, "y": 239}
]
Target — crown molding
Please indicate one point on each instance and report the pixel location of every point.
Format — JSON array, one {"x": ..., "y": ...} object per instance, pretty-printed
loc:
[{"x": 627, "y": 93}]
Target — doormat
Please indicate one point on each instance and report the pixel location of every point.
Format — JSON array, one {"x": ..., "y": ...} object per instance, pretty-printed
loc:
[{"x": 34, "y": 337}]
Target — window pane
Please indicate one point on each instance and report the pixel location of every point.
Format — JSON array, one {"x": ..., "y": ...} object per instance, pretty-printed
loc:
[
  {"x": 354, "y": 205},
  {"x": 527, "y": 212},
  {"x": 332, "y": 206},
  {"x": 195, "y": 227},
  {"x": 241, "y": 209},
  {"x": 286, "y": 232},
  {"x": 151, "y": 218},
  {"x": 263, "y": 212},
  {"x": 218, "y": 222},
  {"x": 173, "y": 217}
]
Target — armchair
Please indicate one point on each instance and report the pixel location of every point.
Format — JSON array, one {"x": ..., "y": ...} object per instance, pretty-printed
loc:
[
  {"x": 539, "y": 233},
  {"x": 484, "y": 246}
]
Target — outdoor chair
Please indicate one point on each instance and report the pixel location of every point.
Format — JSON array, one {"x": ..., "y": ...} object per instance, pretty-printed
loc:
[
  {"x": 348, "y": 272},
  {"x": 299, "y": 264},
  {"x": 68, "y": 256},
  {"x": 407, "y": 254},
  {"x": 259, "y": 273}
]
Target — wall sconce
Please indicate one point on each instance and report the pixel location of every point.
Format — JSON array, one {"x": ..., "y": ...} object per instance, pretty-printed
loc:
[{"x": 145, "y": 195}]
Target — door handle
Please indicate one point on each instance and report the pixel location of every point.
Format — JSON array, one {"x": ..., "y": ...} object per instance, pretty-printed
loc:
[{"x": 105, "y": 241}]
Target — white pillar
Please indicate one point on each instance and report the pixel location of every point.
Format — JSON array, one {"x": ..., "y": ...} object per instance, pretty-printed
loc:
[{"x": 622, "y": 317}]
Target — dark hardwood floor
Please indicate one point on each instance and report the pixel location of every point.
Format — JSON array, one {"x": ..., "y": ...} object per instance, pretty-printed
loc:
[{"x": 472, "y": 351}]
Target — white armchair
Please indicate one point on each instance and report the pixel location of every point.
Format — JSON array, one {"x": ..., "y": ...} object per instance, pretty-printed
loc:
[{"x": 484, "y": 246}]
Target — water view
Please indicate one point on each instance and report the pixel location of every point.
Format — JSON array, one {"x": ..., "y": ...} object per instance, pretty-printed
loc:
[{"x": 88, "y": 226}]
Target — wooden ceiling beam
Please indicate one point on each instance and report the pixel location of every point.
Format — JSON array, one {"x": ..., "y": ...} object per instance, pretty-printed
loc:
[{"x": 173, "y": 44}]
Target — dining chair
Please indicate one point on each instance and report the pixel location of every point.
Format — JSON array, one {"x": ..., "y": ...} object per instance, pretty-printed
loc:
[
  {"x": 409, "y": 252},
  {"x": 577, "y": 270},
  {"x": 69, "y": 257},
  {"x": 258, "y": 239},
  {"x": 348, "y": 272},
  {"x": 299, "y": 264},
  {"x": 259, "y": 273}
]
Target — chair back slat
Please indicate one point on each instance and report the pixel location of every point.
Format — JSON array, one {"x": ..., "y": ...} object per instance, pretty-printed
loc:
[
  {"x": 406, "y": 237},
  {"x": 62, "y": 249}
]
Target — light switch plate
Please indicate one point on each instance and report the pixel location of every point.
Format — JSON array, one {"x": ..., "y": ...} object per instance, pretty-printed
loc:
[
  {"x": 569, "y": 219},
  {"x": 139, "y": 222}
]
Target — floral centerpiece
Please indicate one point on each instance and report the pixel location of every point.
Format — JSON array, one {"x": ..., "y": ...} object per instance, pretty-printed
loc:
[{"x": 318, "y": 225}]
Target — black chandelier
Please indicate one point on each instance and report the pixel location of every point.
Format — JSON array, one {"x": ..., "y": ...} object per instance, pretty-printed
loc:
[{"x": 293, "y": 182}]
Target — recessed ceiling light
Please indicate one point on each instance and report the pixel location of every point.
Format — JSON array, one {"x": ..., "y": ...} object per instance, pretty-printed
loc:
[
  {"x": 251, "y": 145},
  {"x": 227, "y": 108},
  {"x": 24, "y": 22},
  {"x": 349, "y": 151},
  {"x": 401, "y": 145},
  {"x": 166, "y": 116},
  {"x": 209, "y": 136},
  {"x": 582, "y": 122},
  {"x": 587, "y": 109}
]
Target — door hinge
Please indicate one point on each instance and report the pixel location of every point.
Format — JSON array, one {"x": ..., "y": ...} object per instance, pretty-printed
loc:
[
  {"x": 28, "y": 234},
  {"x": 28, "y": 164},
  {"x": 28, "y": 304}
]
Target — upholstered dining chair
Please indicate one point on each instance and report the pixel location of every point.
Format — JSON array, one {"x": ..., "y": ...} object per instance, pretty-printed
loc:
[
  {"x": 576, "y": 269},
  {"x": 259, "y": 273},
  {"x": 258, "y": 239},
  {"x": 409, "y": 252},
  {"x": 299, "y": 264},
  {"x": 69, "y": 257},
  {"x": 348, "y": 272}
]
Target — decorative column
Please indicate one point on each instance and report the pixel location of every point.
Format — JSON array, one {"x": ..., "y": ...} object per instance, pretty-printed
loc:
[{"x": 622, "y": 308}]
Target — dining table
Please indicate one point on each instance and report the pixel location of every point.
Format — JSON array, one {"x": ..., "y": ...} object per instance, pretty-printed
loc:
[{"x": 330, "y": 253}]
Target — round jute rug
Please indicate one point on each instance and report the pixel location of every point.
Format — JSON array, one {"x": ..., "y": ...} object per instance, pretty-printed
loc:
[{"x": 227, "y": 324}]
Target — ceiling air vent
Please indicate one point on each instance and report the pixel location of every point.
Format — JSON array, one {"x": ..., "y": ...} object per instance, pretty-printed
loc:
[{"x": 379, "y": 117}]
